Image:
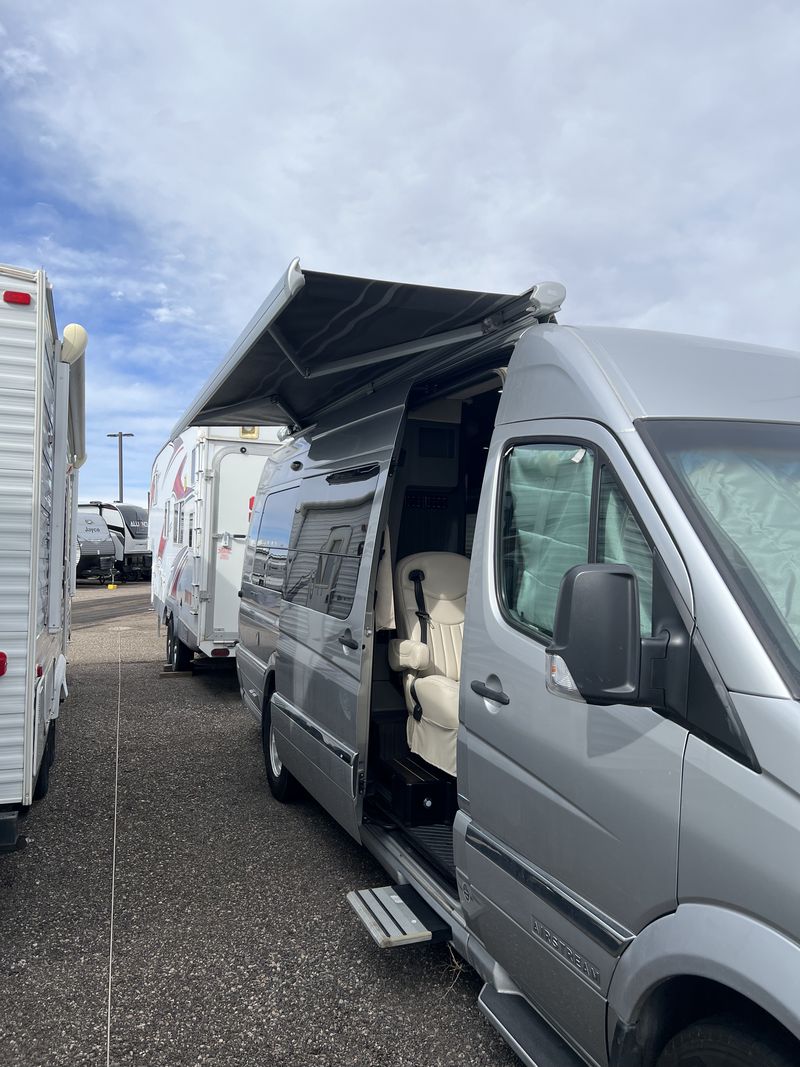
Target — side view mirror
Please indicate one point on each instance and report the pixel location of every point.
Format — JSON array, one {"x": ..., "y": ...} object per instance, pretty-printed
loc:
[{"x": 596, "y": 649}]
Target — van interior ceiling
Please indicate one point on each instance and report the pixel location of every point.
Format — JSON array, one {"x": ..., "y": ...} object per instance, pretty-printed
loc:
[{"x": 437, "y": 481}]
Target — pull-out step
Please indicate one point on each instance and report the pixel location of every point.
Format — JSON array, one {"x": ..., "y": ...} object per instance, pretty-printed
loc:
[
  {"x": 396, "y": 915},
  {"x": 536, "y": 1044}
]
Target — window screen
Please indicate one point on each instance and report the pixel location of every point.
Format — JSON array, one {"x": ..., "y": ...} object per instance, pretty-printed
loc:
[{"x": 546, "y": 507}]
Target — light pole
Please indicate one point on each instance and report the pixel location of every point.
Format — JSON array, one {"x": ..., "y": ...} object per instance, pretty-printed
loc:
[{"x": 119, "y": 437}]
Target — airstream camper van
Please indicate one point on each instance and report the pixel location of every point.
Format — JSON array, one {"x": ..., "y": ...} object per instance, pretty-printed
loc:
[{"x": 521, "y": 609}]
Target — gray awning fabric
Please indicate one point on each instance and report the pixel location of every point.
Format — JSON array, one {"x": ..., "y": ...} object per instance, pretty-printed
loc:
[{"x": 319, "y": 337}]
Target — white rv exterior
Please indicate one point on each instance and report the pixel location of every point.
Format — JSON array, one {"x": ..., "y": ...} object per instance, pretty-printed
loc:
[
  {"x": 201, "y": 497},
  {"x": 42, "y": 446}
]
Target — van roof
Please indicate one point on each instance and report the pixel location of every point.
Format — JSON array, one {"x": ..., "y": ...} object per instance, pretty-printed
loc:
[
  {"x": 317, "y": 338},
  {"x": 621, "y": 375}
]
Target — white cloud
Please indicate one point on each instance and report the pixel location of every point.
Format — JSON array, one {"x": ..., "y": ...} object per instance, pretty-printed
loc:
[
  {"x": 19, "y": 66},
  {"x": 640, "y": 153}
]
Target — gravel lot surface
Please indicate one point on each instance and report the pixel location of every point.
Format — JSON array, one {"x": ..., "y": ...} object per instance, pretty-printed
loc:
[{"x": 233, "y": 943}]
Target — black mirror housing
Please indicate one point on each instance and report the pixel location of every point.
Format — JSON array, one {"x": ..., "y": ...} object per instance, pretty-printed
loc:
[{"x": 597, "y": 632}]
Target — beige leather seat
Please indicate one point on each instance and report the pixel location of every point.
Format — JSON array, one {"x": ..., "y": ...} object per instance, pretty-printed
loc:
[{"x": 432, "y": 669}]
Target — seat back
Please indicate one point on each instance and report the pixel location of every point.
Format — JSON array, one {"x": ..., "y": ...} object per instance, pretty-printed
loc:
[{"x": 445, "y": 589}]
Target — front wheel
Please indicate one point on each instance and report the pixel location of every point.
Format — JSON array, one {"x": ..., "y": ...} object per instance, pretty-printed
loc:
[
  {"x": 283, "y": 785},
  {"x": 724, "y": 1041}
]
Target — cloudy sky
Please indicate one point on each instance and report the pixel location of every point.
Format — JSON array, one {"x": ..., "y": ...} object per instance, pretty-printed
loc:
[{"x": 165, "y": 161}]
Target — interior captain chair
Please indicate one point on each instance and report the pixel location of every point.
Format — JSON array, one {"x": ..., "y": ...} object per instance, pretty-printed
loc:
[{"x": 430, "y": 599}]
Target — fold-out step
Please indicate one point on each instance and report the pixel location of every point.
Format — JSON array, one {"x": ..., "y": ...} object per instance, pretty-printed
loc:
[{"x": 396, "y": 915}]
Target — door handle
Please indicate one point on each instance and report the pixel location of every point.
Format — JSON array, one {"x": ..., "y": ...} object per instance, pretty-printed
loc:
[
  {"x": 346, "y": 639},
  {"x": 497, "y": 695}
]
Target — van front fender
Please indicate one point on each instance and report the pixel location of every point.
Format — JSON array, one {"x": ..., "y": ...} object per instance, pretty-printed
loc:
[{"x": 705, "y": 941}]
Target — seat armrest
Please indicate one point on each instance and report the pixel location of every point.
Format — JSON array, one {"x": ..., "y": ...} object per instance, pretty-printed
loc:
[{"x": 408, "y": 655}]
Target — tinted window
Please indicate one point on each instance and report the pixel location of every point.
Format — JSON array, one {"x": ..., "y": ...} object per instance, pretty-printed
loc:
[
  {"x": 327, "y": 540},
  {"x": 272, "y": 539},
  {"x": 546, "y": 501}
]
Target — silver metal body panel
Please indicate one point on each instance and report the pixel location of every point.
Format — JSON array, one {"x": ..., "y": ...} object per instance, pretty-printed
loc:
[{"x": 599, "y": 850}]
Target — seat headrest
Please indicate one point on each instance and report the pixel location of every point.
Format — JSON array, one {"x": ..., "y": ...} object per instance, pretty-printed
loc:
[{"x": 446, "y": 574}]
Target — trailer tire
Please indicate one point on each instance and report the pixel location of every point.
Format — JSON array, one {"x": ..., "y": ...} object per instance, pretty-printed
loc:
[
  {"x": 181, "y": 655},
  {"x": 43, "y": 778},
  {"x": 169, "y": 640},
  {"x": 283, "y": 785}
]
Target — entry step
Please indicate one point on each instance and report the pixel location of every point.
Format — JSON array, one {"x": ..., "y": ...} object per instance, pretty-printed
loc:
[
  {"x": 536, "y": 1043},
  {"x": 396, "y": 915}
]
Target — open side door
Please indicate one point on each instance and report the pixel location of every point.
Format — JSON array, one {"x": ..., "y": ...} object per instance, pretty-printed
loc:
[{"x": 320, "y": 710}]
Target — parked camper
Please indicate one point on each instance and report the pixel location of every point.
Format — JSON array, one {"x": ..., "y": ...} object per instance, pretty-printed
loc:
[
  {"x": 42, "y": 444},
  {"x": 96, "y": 553},
  {"x": 128, "y": 526},
  {"x": 201, "y": 495},
  {"x": 521, "y": 609}
]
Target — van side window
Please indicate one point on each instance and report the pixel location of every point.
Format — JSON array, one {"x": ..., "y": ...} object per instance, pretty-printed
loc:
[
  {"x": 546, "y": 500},
  {"x": 620, "y": 540},
  {"x": 272, "y": 541},
  {"x": 328, "y": 540}
]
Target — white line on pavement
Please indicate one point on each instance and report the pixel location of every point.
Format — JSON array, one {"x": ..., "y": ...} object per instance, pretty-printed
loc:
[{"x": 114, "y": 852}]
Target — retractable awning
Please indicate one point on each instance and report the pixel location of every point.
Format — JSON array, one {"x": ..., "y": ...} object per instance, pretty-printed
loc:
[{"x": 318, "y": 338}]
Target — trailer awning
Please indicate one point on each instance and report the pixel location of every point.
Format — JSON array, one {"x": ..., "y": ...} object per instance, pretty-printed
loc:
[{"x": 318, "y": 338}]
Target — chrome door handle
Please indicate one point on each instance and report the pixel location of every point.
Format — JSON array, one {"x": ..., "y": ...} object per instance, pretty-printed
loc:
[
  {"x": 346, "y": 639},
  {"x": 497, "y": 695}
]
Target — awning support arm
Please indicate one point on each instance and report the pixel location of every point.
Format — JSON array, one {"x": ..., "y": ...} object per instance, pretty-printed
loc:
[
  {"x": 405, "y": 348},
  {"x": 286, "y": 348}
]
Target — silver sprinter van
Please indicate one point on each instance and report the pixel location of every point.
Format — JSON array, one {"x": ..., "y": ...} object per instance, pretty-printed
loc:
[{"x": 521, "y": 609}]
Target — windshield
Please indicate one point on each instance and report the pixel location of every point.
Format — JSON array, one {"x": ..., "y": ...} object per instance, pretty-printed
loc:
[
  {"x": 135, "y": 519},
  {"x": 740, "y": 484},
  {"x": 91, "y": 528}
]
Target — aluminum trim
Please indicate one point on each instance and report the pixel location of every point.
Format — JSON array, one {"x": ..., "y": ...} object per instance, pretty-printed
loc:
[
  {"x": 612, "y": 939},
  {"x": 335, "y": 746}
]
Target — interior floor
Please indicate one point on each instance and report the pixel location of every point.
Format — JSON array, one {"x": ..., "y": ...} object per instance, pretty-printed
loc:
[{"x": 433, "y": 506}]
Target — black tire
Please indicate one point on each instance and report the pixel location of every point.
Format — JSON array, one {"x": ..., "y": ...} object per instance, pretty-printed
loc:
[
  {"x": 43, "y": 779},
  {"x": 725, "y": 1041},
  {"x": 169, "y": 641},
  {"x": 283, "y": 785},
  {"x": 181, "y": 655}
]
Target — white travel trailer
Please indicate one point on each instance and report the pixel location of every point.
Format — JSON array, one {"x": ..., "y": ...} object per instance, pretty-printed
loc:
[
  {"x": 201, "y": 498},
  {"x": 42, "y": 447},
  {"x": 127, "y": 524}
]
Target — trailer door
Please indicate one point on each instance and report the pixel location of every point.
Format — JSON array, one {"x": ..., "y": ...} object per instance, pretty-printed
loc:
[{"x": 236, "y": 477}]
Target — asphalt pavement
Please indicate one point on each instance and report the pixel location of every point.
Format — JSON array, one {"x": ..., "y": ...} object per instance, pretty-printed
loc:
[{"x": 232, "y": 941}]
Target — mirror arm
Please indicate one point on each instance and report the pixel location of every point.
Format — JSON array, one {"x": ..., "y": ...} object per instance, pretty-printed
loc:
[{"x": 652, "y": 670}]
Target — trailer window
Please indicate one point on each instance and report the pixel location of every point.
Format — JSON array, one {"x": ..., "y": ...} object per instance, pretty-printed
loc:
[{"x": 175, "y": 513}]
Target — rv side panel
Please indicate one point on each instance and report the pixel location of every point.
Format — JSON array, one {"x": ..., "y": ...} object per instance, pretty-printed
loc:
[{"x": 18, "y": 447}]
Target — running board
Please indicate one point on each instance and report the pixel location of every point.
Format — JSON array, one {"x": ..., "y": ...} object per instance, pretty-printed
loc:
[
  {"x": 396, "y": 916},
  {"x": 536, "y": 1043}
]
